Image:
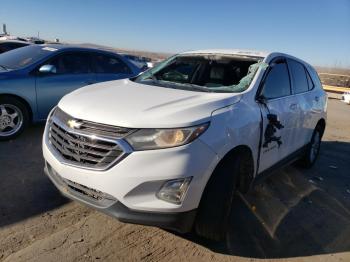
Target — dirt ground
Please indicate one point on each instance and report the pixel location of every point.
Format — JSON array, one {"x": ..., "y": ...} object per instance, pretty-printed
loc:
[{"x": 296, "y": 215}]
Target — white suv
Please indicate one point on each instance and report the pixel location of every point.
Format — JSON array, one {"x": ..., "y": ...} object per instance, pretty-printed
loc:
[{"x": 170, "y": 147}]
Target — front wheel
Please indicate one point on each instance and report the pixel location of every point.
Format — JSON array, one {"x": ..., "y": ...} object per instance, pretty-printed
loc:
[
  {"x": 14, "y": 118},
  {"x": 215, "y": 207}
]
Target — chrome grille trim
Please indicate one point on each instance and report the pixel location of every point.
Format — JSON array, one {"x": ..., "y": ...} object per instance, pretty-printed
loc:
[
  {"x": 80, "y": 149},
  {"x": 105, "y": 130},
  {"x": 98, "y": 129}
]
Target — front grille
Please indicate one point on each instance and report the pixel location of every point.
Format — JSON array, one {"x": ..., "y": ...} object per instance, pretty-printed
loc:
[{"x": 82, "y": 148}]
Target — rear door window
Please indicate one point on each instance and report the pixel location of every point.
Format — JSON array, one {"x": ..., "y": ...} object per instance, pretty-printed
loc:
[
  {"x": 108, "y": 64},
  {"x": 300, "y": 81},
  {"x": 277, "y": 82},
  {"x": 309, "y": 80}
]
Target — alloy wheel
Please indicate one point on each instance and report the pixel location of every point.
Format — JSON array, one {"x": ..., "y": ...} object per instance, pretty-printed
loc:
[{"x": 11, "y": 119}]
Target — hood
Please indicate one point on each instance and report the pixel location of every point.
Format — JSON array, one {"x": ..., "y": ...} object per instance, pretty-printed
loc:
[{"x": 129, "y": 104}]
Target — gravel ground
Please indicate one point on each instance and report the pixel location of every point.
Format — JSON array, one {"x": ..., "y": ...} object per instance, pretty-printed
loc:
[{"x": 295, "y": 215}]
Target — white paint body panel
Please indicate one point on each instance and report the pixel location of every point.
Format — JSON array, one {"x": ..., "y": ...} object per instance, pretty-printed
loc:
[
  {"x": 234, "y": 120},
  {"x": 129, "y": 104}
]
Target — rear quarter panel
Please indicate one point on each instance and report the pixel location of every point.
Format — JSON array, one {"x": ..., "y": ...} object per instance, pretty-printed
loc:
[{"x": 319, "y": 108}]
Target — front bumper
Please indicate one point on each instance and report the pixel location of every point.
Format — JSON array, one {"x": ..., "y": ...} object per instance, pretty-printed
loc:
[
  {"x": 134, "y": 181},
  {"x": 181, "y": 222}
]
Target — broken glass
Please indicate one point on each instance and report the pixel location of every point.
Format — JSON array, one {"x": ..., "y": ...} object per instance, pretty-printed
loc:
[{"x": 245, "y": 81}]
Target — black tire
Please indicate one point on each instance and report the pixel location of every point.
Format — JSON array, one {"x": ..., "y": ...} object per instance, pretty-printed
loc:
[
  {"x": 215, "y": 207},
  {"x": 313, "y": 149},
  {"x": 11, "y": 106}
]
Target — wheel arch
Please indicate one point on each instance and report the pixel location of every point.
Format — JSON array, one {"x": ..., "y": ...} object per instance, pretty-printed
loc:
[
  {"x": 219, "y": 192},
  {"x": 322, "y": 125},
  {"x": 243, "y": 182},
  {"x": 22, "y": 100}
]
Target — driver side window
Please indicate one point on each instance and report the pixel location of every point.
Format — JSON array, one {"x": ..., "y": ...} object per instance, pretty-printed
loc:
[
  {"x": 107, "y": 64},
  {"x": 277, "y": 82},
  {"x": 71, "y": 63}
]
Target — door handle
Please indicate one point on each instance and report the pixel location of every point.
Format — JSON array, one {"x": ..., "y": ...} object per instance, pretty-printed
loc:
[{"x": 293, "y": 106}]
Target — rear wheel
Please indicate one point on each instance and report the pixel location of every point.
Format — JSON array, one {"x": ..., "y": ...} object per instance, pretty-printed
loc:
[
  {"x": 313, "y": 149},
  {"x": 215, "y": 207},
  {"x": 14, "y": 118}
]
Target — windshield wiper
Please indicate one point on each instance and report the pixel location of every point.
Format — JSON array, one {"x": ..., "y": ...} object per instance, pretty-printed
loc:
[
  {"x": 199, "y": 88},
  {"x": 192, "y": 87},
  {"x": 169, "y": 84}
]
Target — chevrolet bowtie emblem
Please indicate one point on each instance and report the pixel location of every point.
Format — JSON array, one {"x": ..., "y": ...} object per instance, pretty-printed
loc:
[{"x": 74, "y": 124}]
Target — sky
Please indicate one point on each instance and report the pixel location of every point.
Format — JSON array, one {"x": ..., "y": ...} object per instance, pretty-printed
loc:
[{"x": 317, "y": 31}]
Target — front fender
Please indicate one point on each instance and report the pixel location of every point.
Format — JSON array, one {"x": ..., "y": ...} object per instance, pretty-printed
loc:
[
  {"x": 22, "y": 87},
  {"x": 238, "y": 124}
]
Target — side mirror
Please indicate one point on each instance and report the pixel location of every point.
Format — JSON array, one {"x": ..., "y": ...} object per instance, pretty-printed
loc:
[{"x": 48, "y": 69}]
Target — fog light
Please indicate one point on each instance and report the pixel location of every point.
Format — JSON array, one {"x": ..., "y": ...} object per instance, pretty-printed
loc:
[{"x": 174, "y": 191}]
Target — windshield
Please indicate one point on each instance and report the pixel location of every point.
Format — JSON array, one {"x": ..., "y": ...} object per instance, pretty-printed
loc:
[
  {"x": 24, "y": 56},
  {"x": 206, "y": 73}
]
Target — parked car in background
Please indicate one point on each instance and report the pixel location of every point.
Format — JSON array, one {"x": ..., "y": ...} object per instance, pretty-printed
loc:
[
  {"x": 171, "y": 147},
  {"x": 12, "y": 37},
  {"x": 141, "y": 62},
  {"x": 35, "y": 40},
  {"x": 346, "y": 97},
  {"x": 34, "y": 78},
  {"x": 8, "y": 45}
]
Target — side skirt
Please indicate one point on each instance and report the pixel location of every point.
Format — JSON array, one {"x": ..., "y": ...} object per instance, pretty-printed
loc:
[{"x": 279, "y": 165}]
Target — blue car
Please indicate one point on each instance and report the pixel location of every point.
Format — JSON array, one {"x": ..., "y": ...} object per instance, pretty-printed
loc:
[{"x": 34, "y": 78}]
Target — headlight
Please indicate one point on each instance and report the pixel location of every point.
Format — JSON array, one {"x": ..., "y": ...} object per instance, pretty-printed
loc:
[{"x": 145, "y": 139}]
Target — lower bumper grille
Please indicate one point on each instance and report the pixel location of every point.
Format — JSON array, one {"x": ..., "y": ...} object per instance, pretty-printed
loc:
[
  {"x": 90, "y": 195},
  {"x": 95, "y": 195}
]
